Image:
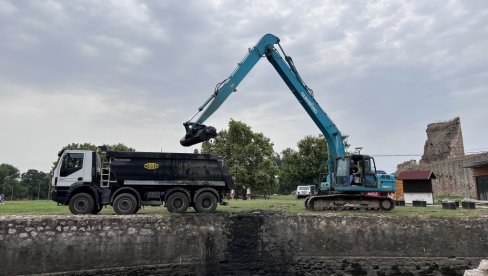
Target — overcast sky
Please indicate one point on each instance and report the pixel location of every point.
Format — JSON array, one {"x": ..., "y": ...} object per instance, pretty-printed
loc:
[{"x": 134, "y": 71}]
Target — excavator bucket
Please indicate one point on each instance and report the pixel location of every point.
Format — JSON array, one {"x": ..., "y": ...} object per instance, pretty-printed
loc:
[{"x": 198, "y": 134}]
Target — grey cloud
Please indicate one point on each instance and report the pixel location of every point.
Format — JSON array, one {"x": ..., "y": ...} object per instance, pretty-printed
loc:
[{"x": 381, "y": 69}]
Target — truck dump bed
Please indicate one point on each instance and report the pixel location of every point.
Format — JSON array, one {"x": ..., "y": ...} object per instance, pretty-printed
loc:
[{"x": 159, "y": 168}]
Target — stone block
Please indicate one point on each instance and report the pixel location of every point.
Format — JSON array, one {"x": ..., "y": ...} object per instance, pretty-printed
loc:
[
  {"x": 475, "y": 272},
  {"x": 468, "y": 205},
  {"x": 483, "y": 265},
  {"x": 419, "y": 203},
  {"x": 399, "y": 202},
  {"x": 451, "y": 205}
]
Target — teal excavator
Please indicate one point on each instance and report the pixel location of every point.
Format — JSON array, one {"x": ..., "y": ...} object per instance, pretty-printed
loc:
[{"x": 351, "y": 183}]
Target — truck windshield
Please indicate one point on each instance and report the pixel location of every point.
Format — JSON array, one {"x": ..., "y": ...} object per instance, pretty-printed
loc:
[{"x": 72, "y": 162}]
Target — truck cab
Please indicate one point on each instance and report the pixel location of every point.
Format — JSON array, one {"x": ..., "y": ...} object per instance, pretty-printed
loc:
[{"x": 76, "y": 166}]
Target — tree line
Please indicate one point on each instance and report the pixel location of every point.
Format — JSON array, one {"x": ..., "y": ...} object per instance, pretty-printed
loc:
[
  {"x": 32, "y": 184},
  {"x": 253, "y": 163},
  {"x": 249, "y": 155}
]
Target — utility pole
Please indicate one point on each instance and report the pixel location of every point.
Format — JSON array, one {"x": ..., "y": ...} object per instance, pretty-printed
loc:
[{"x": 38, "y": 189}]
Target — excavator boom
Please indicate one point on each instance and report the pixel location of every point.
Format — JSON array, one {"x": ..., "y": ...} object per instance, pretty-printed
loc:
[{"x": 197, "y": 132}]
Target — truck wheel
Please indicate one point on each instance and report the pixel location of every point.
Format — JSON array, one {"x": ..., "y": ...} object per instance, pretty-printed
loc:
[
  {"x": 177, "y": 202},
  {"x": 125, "y": 204},
  {"x": 206, "y": 202},
  {"x": 81, "y": 204}
]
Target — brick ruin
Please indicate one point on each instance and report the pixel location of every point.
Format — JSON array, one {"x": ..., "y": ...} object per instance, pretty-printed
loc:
[
  {"x": 444, "y": 155},
  {"x": 444, "y": 141}
]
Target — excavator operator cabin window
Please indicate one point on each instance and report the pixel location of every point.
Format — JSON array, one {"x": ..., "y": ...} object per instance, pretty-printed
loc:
[
  {"x": 342, "y": 167},
  {"x": 72, "y": 162},
  {"x": 369, "y": 167},
  {"x": 342, "y": 171},
  {"x": 369, "y": 173}
]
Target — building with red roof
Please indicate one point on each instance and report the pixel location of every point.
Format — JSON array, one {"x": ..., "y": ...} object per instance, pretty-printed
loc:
[{"x": 415, "y": 186}]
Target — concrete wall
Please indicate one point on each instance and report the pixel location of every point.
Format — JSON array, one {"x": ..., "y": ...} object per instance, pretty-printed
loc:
[{"x": 258, "y": 243}]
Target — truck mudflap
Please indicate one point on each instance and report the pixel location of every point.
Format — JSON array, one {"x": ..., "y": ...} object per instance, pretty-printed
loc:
[
  {"x": 60, "y": 195},
  {"x": 348, "y": 202}
]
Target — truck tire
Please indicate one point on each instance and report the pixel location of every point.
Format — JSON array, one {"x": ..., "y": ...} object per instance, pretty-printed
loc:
[
  {"x": 206, "y": 202},
  {"x": 177, "y": 202},
  {"x": 81, "y": 204},
  {"x": 125, "y": 204}
]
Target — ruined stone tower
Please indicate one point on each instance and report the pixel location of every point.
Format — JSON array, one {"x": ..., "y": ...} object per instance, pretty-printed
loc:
[{"x": 444, "y": 141}]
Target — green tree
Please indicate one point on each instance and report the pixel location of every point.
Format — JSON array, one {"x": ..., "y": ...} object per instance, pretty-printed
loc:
[
  {"x": 88, "y": 146},
  {"x": 120, "y": 147},
  {"x": 37, "y": 184},
  {"x": 248, "y": 155},
  {"x": 288, "y": 171},
  {"x": 9, "y": 182},
  {"x": 307, "y": 166}
]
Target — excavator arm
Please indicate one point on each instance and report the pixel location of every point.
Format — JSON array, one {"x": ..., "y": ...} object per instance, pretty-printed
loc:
[
  {"x": 196, "y": 132},
  {"x": 339, "y": 191}
]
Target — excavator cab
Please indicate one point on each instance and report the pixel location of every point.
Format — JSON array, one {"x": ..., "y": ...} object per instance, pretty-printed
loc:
[
  {"x": 354, "y": 186},
  {"x": 355, "y": 171}
]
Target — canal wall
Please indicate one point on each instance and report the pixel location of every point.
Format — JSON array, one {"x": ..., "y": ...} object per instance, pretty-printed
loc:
[{"x": 241, "y": 244}]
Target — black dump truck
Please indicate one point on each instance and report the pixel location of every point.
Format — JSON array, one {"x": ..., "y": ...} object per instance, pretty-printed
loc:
[{"x": 129, "y": 180}]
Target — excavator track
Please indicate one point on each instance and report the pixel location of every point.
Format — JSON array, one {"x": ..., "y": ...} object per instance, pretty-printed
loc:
[{"x": 348, "y": 202}]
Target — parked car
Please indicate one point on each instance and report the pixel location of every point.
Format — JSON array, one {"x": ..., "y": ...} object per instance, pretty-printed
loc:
[{"x": 304, "y": 191}]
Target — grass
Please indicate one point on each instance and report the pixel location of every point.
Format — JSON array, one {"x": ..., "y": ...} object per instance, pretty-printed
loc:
[{"x": 286, "y": 204}]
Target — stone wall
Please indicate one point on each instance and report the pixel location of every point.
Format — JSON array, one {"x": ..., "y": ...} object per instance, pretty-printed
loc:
[
  {"x": 444, "y": 141},
  {"x": 257, "y": 243},
  {"x": 444, "y": 155},
  {"x": 452, "y": 178}
]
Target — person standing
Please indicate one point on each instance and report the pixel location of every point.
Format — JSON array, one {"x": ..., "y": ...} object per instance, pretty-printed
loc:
[{"x": 248, "y": 192}]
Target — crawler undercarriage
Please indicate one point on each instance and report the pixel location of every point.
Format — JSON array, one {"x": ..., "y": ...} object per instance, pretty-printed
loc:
[{"x": 348, "y": 202}]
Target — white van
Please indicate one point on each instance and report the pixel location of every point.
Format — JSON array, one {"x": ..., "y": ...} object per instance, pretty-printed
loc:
[{"x": 304, "y": 191}]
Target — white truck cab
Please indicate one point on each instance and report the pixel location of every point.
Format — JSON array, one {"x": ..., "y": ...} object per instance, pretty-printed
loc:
[{"x": 75, "y": 166}]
